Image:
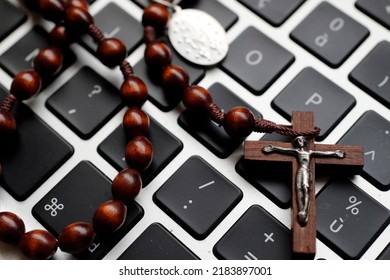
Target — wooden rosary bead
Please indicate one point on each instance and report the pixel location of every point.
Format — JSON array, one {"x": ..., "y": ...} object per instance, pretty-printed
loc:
[
  {"x": 157, "y": 16},
  {"x": 38, "y": 244},
  {"x": 78, "y": 20},
  {"x": 52, "y": 10},
  {"x": 76, "y": 238},
  {"x": 134, "y": 92},
  {"x": 136, "y": 122},
  {"x": 109, "y": 216},
  {"x": 48, "y": 62},
  {"x": 7, "y": 123},
  {"x": 197, "y": 99},
  {"x": 11, "y": 227},
  {"x": 139, "y": 153},
  {"x": 126, "y": 185},
  {"x": 239, "y": 122},
  {"x": 82, "y": 4},
  {"x": 26, "y": 84},
  {"x": 111, "y": 52},
  {"x": 157, "y": 55},
  {"x": 60, "y": 37},
  {"x": 175, "y": 80}
]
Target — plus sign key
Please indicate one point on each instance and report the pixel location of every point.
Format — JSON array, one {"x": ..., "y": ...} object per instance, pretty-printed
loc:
[
  {"x": 255, "y": 236},
  {"x": 348, "y": 219}
]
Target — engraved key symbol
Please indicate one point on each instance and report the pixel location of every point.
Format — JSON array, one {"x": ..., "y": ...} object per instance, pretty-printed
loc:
[
  {"x": 304, "y": 155},
  {"x": 54, "y": 206}
]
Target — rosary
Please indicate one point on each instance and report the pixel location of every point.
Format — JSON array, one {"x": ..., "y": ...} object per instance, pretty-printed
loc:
[{"x": 203, "y": 47}]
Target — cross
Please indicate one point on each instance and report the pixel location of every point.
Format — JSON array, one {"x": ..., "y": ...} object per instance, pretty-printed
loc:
[{"x": 304, "y": 155}]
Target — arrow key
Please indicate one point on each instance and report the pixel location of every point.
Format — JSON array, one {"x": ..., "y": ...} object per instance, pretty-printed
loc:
[{"x": 372, "y": 132}]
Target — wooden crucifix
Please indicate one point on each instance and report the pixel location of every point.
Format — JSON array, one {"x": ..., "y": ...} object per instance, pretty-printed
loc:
[{"x": 305, "y": 155}]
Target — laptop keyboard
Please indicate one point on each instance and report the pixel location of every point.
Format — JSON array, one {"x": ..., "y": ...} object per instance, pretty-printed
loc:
[{"x": 200, "y": 198}]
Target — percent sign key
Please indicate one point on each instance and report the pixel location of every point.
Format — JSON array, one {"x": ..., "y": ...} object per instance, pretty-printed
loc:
[{"x": 348, "y": 219}]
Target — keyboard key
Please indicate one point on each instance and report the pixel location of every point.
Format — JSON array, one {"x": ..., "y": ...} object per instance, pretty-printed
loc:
[
  {"x": 207, "y": 132},
  {"x": 273, "y": 179},
  {"x": 157, "y": 243},
  {"x": 372, "y": 74},
  {"x": 216, "y": 9},
  {"x": 11, "y": 17},
  {"x": 275, "y": 12},
  {"x": 329, "y": 34},
  {"x": 343, "y": 210},
  {"x": 167, "y": 146},
  {"x": 197, "y": 197},
  {"x": 372, "y": 132},
  {"x": 255, "y": 236},
  {"x": 385, "y": 255},
  {"x": 21, "y": 55},
  {"x": 379, "y": 10},
  {"x": 256, "y": 61},
  {"x": 156, "y": 93},
  {"x": 32, "y": 155},
  {"x": 85, "y": 103},
  {"x": 310, "y": 91},
  {"x": 113, "y": 21},
  {"x": 75, "y": 199}
]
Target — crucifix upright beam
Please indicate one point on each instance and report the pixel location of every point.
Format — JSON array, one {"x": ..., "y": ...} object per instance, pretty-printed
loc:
[{"x": 304, "y": 155}]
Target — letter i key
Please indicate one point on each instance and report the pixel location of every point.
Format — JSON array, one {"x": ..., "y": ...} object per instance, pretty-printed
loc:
[{"x": 304, "y": 155}]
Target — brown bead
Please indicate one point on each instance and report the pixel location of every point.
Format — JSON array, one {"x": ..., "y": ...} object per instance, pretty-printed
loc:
[
  {"x": 82, "y": 4},
  {"x": 60, "y": 37},
  {"x": 26, "y": 84},
  {"x": 38, "y": 244},
  {"x": 157, "y": 16},
  {"x": 109, "y": 216},
  {"x": 7, "y": 123},
  {"x": 76, "y": 238},
  {"x": 48, "y": 62},
  {"x": 136, "y": 122},
  {"x": 126, "y": 185},
  {"x": 11, "y": 227},
  {"x": 52, "y": 10},
  {"x": 111, "y": 52},
  {"x": 139, "y": 153},
  {"x": 134, "y": 92},
  {"x": 78, "y": 20},
  {"x": 157, "y": 56},
  {"x": 175, "y": 80},
  {"x": 197, "y": 99},
  {"x": 239, "y": 122}
]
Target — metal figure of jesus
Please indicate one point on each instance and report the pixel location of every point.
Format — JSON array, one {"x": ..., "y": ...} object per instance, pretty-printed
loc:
[{"x": 303, "y": 175}]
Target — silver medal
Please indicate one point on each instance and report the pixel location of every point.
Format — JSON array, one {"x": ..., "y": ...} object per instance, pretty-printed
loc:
[{"x": 198, "y": 37}]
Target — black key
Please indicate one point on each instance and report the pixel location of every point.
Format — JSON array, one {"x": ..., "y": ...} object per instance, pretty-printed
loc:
[
  {"x": 275, "y": 12},
  {"x": 372, "y": 132},
  {"x": 11, "y": 17},
  {"x": 256, "y": 61},
  {"x": 343, "y": 210},
  {"x": 373, "y": 74},
  {"x": 216, "y": 9},
  {"x": 21, "y": 55},
  {"x": 85, "y": 103},
  {"x": 385, "y": 255},
  {"x": 156, "y": 94},
  {"x": 207, "y": 132},
  {"x": 255, "y": 236},
  {"x": 114, "y": 22},
  {"x": 329, "y": 34},
  {"x": 142, "y": 3},
  {"x": 32, "y": 155},
  {"x": 157, "y": 243},
  {"x": 74, "y": 199},
  {"x": 273, "y": 179},
  {"x": 310, "y": 91},
  {"x": 379, "y": 10},
  {"x": 197, "y": 197},
  {"x": 167, "y": 146}
]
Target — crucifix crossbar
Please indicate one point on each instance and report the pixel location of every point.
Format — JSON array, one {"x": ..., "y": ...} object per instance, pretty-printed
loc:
[{"x": 304, "y": 155}]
